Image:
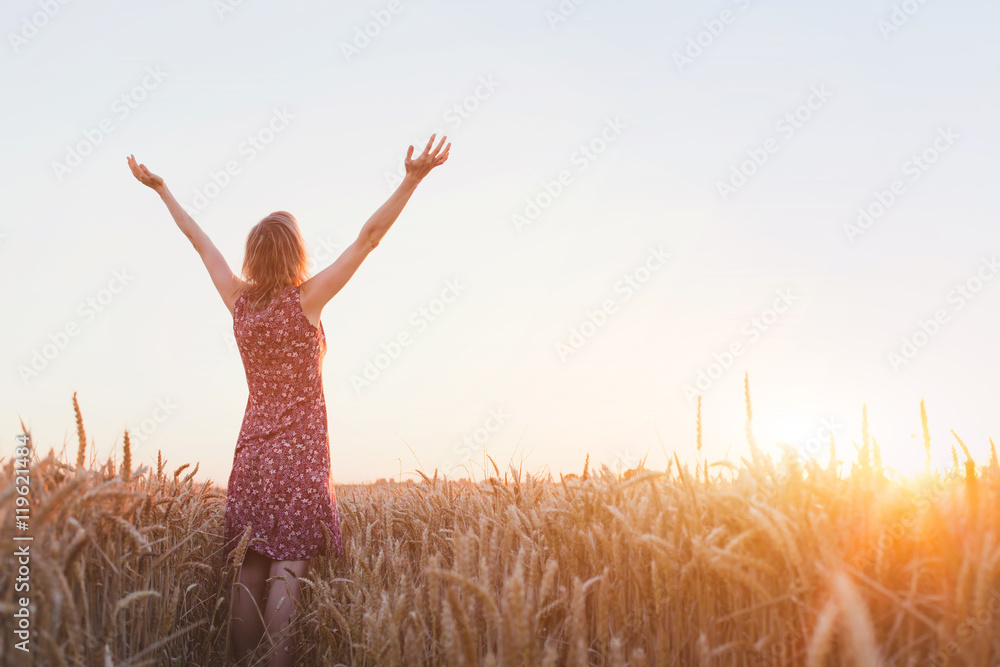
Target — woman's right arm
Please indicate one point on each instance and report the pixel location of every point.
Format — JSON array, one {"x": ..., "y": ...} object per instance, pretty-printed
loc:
[{"x": 318, "y": 290}]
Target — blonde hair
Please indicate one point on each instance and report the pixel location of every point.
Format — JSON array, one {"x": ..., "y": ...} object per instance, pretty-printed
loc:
[{"x": 275, "y": 258}]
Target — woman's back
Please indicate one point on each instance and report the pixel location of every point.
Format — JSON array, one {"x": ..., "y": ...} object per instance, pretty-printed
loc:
[
  {"x": 281, "y": 481},
  {"x": 282, "y": 351}
]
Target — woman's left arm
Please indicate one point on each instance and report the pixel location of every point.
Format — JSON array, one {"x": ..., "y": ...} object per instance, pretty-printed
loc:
[{"x": 225, "y": 281}]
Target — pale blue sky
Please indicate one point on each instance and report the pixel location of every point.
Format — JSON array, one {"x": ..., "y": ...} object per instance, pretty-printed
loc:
[{"x": 164, "y": 336}]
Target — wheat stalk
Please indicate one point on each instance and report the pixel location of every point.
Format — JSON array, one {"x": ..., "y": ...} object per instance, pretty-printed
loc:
[
  {"x": 81, "y": 435},
  {"x": 126, "y": 457}
]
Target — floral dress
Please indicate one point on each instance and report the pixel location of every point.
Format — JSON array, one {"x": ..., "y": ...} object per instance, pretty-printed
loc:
[{"x": 281, "y": 482}]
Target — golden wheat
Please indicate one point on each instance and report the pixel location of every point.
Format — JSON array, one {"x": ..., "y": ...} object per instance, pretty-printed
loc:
[{"x": 772, "y": 563}]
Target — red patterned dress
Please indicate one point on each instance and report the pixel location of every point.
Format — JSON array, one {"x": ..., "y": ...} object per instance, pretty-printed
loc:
[{"x": 281, "y": 482}]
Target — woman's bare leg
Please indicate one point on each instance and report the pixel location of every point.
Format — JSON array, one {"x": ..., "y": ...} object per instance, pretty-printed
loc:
[
  {"x": 282, "y": 598},
  {"x": 248, "y": 605}
]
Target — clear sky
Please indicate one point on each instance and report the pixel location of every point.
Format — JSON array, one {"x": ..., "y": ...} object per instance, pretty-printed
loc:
[{"x": 635, "y": 191}]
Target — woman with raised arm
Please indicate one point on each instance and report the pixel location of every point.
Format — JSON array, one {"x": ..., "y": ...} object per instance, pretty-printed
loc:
[{"x": 281, "y": 485}]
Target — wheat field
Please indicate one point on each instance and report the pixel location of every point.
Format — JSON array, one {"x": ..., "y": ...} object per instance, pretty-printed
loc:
[{"x": 790, "y": 562}]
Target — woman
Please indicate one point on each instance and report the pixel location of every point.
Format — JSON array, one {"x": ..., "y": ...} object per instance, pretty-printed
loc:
[{"x": 281, "y": 482}]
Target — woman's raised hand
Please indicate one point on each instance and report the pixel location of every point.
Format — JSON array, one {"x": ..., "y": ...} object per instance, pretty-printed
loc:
[
  {"x": 143, "y": 175},
  {"x": 430, "y": 158}
]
